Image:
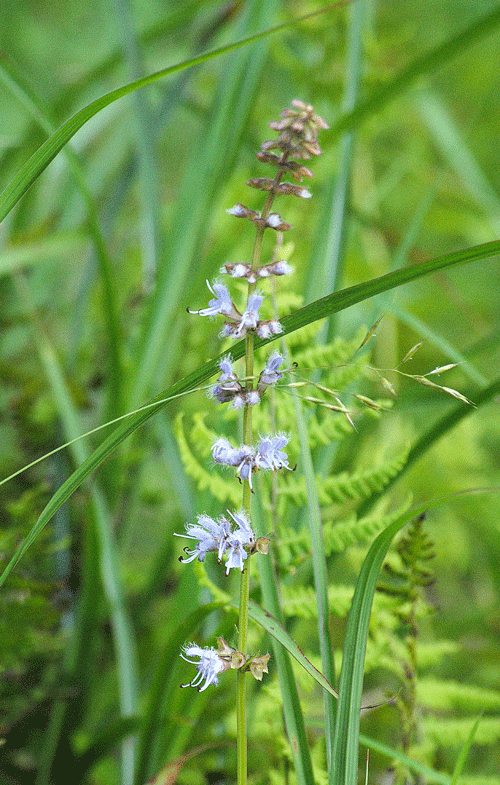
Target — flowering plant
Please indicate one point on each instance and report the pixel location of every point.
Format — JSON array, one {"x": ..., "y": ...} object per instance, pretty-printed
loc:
[{"x": 233, "y": 537}]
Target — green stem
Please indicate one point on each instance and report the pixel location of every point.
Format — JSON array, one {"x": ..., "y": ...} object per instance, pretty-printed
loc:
[{"x": 241, "y": 722}]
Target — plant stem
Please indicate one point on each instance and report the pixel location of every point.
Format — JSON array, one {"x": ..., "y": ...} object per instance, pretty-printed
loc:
[{"x": 241, "y": 722}]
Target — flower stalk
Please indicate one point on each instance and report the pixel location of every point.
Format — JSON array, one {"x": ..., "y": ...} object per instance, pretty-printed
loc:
[{"x": 232, "y": 537}]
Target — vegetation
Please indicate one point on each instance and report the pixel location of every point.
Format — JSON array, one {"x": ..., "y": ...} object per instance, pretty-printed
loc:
[{"x": 378, "y": 600}]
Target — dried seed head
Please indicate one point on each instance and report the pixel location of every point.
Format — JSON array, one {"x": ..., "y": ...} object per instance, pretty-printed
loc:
[{"x": 298, "y": 132}]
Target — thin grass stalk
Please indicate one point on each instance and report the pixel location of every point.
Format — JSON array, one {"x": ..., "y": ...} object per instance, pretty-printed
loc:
[
  {"x": 125, "y": 648},
  {"x": 25, "y": 94},
  {"x": 148, "y": 165}
]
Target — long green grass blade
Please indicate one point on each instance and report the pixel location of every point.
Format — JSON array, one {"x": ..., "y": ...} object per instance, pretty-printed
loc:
[
  {"x": 331, "y": 304},
  {"x": 319, "y": 565},
  {"x": 274, "y": 628},
  {"x": 431, "y": 776},
  {"x": 462, "y": 757},
  {"x": 292, "y": 709},
  {"x": 345, "y": 750},
  {"x": 51, "y": 147}
]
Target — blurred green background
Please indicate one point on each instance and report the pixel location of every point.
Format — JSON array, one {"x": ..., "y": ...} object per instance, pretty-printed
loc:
[{"x": 98, "y": 262}]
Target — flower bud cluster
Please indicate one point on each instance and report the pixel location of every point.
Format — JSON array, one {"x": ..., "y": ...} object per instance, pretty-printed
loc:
[
  {"x": 267, "y": 455},
  {"x": 232, "y": 538},
  {"x": 230, "y": 389}
]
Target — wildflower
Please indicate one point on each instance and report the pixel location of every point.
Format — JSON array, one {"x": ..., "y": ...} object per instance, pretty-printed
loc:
[
  {"x": 266, "y": 184},
  {"x": 269, "y": 328},
  {"x": 270, "y": 374},
  {"x": 222, "y": 452},
  {"x": 281, "y": 267},
  {"x": 211, "y": 536},
  {"x": 238, "y": 541},
  {"x": 221, "y": 303},
  {"x": 250, "y": 316},
  {"x": 234, "y": 538},
  {"x": 258, "y": 666},
  {"x": 240, "y": 270},
  {"x": 275, "y": 221},
  {"x": 270, "y": 454},
  {"x": 209, "y": 665},
  {"x": 228, "y": 386},
  {"x": 252, "y": 397},
  {"x": 298, "y": 171},
  {"x": 298, "y": 129}
]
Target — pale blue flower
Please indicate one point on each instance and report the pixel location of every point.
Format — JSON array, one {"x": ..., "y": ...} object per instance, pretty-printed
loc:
[
  {"x": 268, "y": 329},
  {"x": 238, "y": 541},
  {"x": 270, "y": 455},
  {"x": 250, "y": 315},
  {"x": 221, "y": 302},
  {"x": 208, "y": 665},
  {"x": 211, "y": 536},
  {"x": 270, "y": 374}
]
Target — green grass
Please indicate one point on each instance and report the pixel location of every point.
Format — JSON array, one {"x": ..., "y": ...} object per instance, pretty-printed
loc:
[{"x": 127, "y": 133}]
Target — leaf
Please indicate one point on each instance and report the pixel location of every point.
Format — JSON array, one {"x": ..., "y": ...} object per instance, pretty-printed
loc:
[
  {"x": 274, "y": 628},
  {"x": 345, "y": 750}
]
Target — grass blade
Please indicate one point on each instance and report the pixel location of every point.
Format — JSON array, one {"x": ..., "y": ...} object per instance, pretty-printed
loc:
[
  {"x": 274, "y": 628},
  {"x": 459, "y": 765},
  {"x": 292, "y": 709},
  {"x": 430, "y": 775},
  {"x": 345, "y": 751},
  {"x": 52, "y": 146}
]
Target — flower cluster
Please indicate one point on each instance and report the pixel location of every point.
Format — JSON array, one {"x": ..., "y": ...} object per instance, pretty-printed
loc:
[
  {"x": 210, "y": 662},
  {"x": 232, "y": 538},
  {"x": 229, "y": 388},
  {"x": 238, "y": 324},
  {"x": 267, "y": 455}
]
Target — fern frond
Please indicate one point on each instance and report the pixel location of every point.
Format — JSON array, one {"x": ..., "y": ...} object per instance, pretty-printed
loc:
[
  {"x": 361, "y": 485},
  {"x": 302, "y": 601},
  {"x": 345, "y": 487},
  {"x": 339, "y": 535},
  {"x": 202, "y": 434},
  {"x": 335, "y": 353},
  {"x": 327, "y": 429},
  {"x": 224, "y": 490}
]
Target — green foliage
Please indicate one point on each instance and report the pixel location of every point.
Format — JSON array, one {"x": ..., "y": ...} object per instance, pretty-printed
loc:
[{"x": 101, "y": 257}]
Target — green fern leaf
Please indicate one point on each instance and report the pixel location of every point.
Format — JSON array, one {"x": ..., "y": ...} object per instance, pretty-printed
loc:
[{"x": 226, "y": 491}]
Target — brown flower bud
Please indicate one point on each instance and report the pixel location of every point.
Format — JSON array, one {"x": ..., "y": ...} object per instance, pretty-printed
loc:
[{"x": 258, "y": 666}]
